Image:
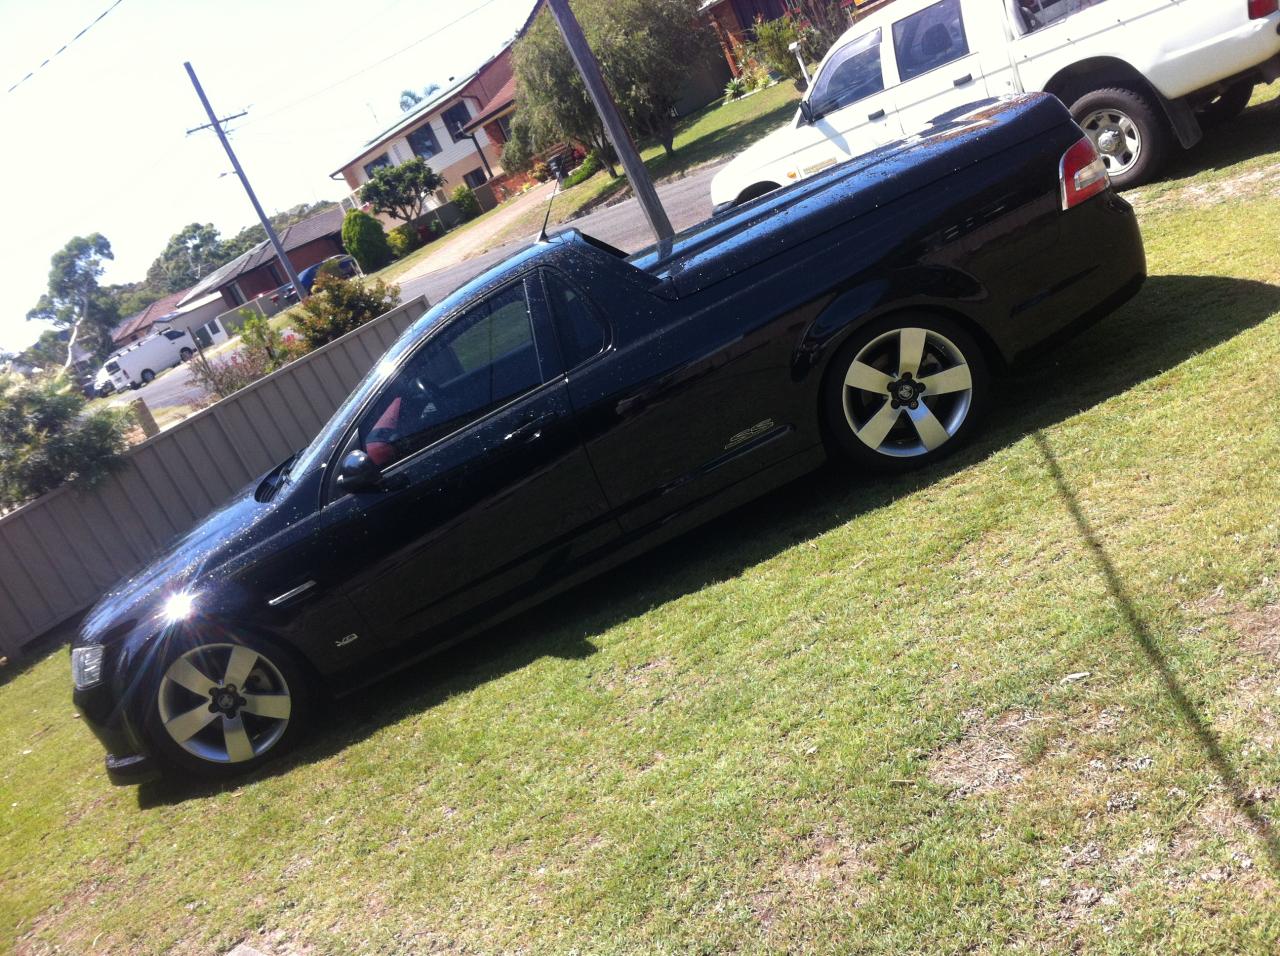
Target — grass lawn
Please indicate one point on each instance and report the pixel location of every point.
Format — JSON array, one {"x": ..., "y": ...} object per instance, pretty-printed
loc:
[{"x": 1023, "y": 702}]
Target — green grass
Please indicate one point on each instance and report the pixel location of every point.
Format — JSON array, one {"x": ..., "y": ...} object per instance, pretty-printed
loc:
[{"x": 847, "y": 718}]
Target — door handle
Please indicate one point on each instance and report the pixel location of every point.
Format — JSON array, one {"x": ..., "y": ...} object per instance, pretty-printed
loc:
[
  {"x": 964, "y": 80},
  {"x": 530, "y": 431},
  {"x": 877, "y": 115}
]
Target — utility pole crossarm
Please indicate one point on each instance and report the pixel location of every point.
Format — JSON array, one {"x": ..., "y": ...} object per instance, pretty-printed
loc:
[
  {"x": 619, "y": 135},
  {"x": 216, "y": 125}
]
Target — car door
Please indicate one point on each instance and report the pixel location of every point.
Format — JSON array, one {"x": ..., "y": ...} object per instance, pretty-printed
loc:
[
  {"x": 487, "y": 489},
  {"x": 937, "y": 69},
  {"x": 849, "y": 111}
]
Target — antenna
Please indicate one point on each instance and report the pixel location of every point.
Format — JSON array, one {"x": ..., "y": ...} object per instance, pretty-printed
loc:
[{"x": 542, "y": 236}]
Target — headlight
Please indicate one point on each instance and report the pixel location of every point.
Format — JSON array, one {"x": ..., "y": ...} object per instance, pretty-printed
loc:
[{"x": 86, "y": 665}]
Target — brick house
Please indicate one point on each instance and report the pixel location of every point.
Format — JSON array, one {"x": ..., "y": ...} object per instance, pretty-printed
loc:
[
  {"x": 259, "y": 270},
  {"x": 139, "y": 326}
]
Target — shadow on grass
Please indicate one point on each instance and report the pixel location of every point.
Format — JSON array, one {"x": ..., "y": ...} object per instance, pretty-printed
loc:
[
  {"x": 1196, "y": 724},
  {"x": 1173, "y": 319},
  {"x": 1254, "y": 133}
]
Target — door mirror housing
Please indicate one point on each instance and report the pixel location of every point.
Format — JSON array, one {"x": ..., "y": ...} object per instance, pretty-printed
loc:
[
  {"x": 359, "y": 472},
  {"x": 806, "y": 111}
]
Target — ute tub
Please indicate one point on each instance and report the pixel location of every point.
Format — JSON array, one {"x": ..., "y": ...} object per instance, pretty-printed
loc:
[{"x": 749, "y": 235}]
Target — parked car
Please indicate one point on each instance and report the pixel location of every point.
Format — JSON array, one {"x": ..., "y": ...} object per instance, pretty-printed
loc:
[
  {"x": 1140, "y": 76},
  {"x": 573, "y": 407},
  {"x": 102, "y": 384},
  {"x": 345, "y": 266},
  {"x": 139, "y": 364}
]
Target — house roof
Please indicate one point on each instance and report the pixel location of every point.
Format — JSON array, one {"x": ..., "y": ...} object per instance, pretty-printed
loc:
[
  {"x": 502, "y": 101},
  {"x": 148, "y": 316},
  {"x": 327, "y": 223},
  {"x": 424, "y": 109}
]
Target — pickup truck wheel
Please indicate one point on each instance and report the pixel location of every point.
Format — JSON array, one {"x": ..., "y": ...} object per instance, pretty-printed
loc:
[
  {"x": 1131, "y": 136},
  {"x": 220, "y": 709},
  {"x": 185, "y": 354},
  {"x": 1227, "y": 106},
  {"x": 904, "y": 392},
  {"x": 147, "y": 376}
]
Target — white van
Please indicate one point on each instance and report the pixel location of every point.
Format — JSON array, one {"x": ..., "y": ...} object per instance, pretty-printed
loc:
[
  {"x": 1138, "y": 76},
  {"x": 143, "y": 360}
]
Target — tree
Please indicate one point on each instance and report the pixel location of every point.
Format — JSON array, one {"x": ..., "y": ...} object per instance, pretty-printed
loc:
[
  {"x": 364, "y": 238},
  {"x": 46, "y": 439},
  {"x": 646, "y": 49},
  {"x": 401, "y": 191},
  {"x": 74, "y": 299},
  {"x": 554, "y": 105},
  {"x": 338, "y": 306},
  {"x": 410, "y": 98},
  {"x": 189, "y": 256},
  {"x": 825, "y": 22}
]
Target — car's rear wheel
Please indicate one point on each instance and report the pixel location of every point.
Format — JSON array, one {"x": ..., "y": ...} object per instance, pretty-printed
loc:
[
  {"x": 147, "y": 376},
  {"x": 1131, "y": 136},
  {"x": 222, "y": 709},
  {"x": 1229, "y": 104},
  {"x": 905, "y": 391}
]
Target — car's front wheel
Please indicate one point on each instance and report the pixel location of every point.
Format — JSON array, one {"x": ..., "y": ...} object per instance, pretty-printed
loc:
[
  {"x": 220, "y": 709},
  {"x": 905, "y": 391}
]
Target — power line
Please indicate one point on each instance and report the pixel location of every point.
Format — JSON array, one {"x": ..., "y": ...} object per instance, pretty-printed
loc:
[
  {"x": 391, "y": 56},
  {"x": 65, "y": 45}
]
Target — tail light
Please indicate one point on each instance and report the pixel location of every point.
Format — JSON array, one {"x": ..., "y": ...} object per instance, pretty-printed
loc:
[
  {"x": 1261, "y": 9},
  {"x": 1083, "y": 173}
]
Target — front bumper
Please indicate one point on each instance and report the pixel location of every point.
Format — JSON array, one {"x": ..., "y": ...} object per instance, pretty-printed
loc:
[{"x": 126, "y": 761}]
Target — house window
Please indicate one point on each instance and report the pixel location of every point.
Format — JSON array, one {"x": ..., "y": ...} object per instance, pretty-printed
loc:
[
  {"x": 423, "y": 142},
  {"x": 504, "y": 127},
  {"x": 370, "y": 166},
  {"x": 456, "y": 117},
  {"x": 236, "y": 293},
  {"x": 475, "y": 178}
]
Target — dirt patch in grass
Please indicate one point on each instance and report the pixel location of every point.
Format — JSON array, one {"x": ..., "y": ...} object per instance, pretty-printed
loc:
[
  {"x": 986, "y": 758},
  {"x": 1259, "y": 631},
  {"x": 827, "y": 866},
  {"x": 1248, "y": 185}
]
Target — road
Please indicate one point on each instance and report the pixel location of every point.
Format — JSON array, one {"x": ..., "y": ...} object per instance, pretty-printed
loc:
[{"x": 687, "y": 201}]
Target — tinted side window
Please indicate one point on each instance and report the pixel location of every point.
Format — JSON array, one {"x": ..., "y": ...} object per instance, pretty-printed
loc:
[
  {"x": 929, "y": 39},
  {"x": 581, "y": 334},
  {"x": 1042, "y": 13},
  {"x": 483, "y": 359},
  {"x": 853, "y": 73}
]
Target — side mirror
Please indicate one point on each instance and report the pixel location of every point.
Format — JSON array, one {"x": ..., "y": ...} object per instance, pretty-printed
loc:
[
  {"x": 806, "y": 110},
  {"x": 359, "y": 472}
]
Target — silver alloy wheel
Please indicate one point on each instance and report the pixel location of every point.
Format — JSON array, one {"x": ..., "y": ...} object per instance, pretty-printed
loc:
[
  {"x": 230, "y": 719},
  {"x": 907, "y": 392},
  {"x": 1117, "y": 138}
]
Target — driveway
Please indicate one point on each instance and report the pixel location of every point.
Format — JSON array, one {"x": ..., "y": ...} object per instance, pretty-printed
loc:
[{"x": 687, "y": 201}]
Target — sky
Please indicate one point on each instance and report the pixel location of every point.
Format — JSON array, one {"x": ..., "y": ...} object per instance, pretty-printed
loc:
[{"x": 96, "y": 140}]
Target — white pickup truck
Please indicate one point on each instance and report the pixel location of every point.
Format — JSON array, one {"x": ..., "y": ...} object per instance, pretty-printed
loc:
[{"x": 1137, "y": 75}]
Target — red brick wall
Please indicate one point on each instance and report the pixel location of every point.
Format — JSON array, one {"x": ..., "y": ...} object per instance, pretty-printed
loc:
[{"x": 259, "y": 280}]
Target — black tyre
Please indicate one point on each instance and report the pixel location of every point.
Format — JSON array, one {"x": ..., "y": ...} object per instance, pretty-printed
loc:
[
  {"x": 1129, "y": 131},
  {"x": 1228, "y": 105},
  {"x": 755, "y": 192},
  {"x": 220, "y": 709},
  {"x": 904, "y": 391},
  {"x": 185, "y": 354},
  {"x": 147, "y": 376}
]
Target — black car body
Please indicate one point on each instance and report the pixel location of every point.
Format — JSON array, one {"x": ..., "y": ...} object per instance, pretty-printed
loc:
[{"x": 475, "y": 473}]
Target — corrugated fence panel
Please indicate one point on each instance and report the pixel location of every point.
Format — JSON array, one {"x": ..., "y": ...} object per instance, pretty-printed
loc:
[{"x": 62, "y": 551}]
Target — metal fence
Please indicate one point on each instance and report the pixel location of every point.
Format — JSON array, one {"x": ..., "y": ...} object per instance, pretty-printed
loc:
[{"x": 59, "y": 553}]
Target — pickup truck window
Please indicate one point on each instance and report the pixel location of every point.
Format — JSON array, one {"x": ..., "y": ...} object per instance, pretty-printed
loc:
[
  {"x": 853, "y": 73},
  {"x": 1042, "y": 13},
  {"x": 173, "y": 334},
  {"x": 931, "y": 38},
  {"x": 482, "y": 360}
]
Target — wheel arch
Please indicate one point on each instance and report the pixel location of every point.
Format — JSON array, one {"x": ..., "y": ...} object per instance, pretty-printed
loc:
[
  {"x": 756, "y": 190},
  {"x": 1101, "y": 72}
]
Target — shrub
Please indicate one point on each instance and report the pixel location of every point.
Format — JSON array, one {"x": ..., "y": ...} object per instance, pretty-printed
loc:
[
  {"x": 588, "y": 168},
  {"x": 46, "y": 439},
  {"x": 734, "y": 88},
  {"x": 221, "y": 377},
  {"x": 541, "y": 172},
  {"x": 257, "y": 335},
  {"x": 338, "y": 306},
  {"x": 403, "y": 240},
  {"x": 755, "y": 76},
  {"x": 364, "y": 238},
  {"x": 465, "y": 199},
  {"x": 773, "y": 41}
]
